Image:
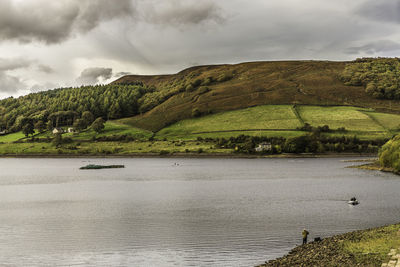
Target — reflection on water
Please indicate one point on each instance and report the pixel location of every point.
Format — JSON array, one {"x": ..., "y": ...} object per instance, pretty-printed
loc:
[{"x": 204, "y": 212}]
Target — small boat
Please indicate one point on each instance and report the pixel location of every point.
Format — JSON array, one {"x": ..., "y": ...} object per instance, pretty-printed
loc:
[{"x": 353, "y": 201}]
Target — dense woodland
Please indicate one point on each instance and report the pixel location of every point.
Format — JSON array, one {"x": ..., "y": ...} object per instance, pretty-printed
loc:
[
  {"x": 64, "y": 106},
  {"x": 379, "y": 76}
]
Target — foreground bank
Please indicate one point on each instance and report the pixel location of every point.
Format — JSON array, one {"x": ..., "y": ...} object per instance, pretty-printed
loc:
[{"x": 360, "y": 248}]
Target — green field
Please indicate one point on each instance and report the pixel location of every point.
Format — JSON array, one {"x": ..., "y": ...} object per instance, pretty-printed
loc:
[
  {"x": 281, "y": 121},
  {"x": 352, "y": 118},
  {"x": 112, "y": 128},
  {"x": 388, "y": 121},
  {"x": 11, "y": 137},
  {"x": 227, "y": 135},
  {"x": 249, "y": 121}
]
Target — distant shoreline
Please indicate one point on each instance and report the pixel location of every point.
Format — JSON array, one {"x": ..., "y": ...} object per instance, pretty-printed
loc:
[
  {"x": 188, "y": 155},
  {"x": 375, "y": 166}
]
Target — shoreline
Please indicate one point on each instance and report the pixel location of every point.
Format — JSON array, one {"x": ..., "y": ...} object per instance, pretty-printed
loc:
[
  {"x": 375, "y": 166},
  {"x": 190, "y": 155},
  {"x": 368, "y": 247},
  {"x": 187, "y": 155}
]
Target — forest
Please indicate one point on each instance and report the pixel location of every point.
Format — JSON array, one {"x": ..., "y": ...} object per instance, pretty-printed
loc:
[
  {"x": 63, "y": 106},
  {"x": 379, "y": 76}
]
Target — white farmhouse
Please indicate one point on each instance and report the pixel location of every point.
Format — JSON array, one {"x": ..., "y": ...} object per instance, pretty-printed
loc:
[
  {"x": 58, "y": 130},
  {"x": 264, "y": 147}
]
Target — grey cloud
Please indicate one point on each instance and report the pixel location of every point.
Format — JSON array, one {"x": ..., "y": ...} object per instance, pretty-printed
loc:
[
  {"x": 120, "y": 74},
  {"x": 94, "y": 75},
  {"x": 374, "y": 47},
  {"x": 45, "y": 68},
  {"x": 10, "y": 84},
  {"x": 183, "y": 12},
  {"x": 55, "y": 21},
  {"x": 7, "y": 64},
  {"x": 386, "y": 11},
  {"x": 43, "y": 87},
  {"x": 93, "y": 12}
]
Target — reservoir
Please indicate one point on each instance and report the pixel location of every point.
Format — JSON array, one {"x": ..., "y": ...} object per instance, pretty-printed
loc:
[{"x": 181, "y": 212}]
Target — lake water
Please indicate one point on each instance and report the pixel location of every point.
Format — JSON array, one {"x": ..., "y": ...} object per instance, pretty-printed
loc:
[{"x": 204, "y": 212}]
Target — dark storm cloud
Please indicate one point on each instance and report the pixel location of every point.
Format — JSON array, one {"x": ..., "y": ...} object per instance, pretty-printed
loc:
[
  {"x": 55, "y": 21},
  {"x": 94, "y": 75},
  {"x": 386, "y": 11},
  {"x": 178, "y": 13},
  {"x": 374, "y": 48}
]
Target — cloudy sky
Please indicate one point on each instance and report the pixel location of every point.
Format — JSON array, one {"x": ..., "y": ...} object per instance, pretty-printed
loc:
[{"x": 46, "y": 44}]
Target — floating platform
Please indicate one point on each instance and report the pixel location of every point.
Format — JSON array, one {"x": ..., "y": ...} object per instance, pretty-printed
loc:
[{"x": 97, "y": 167}]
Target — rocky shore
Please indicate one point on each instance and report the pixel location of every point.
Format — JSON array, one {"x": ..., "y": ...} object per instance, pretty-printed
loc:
[{"x": 360, "y": 248}]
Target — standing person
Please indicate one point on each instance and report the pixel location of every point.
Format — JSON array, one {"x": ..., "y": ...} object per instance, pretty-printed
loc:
[{"x": 305, "y": 234}]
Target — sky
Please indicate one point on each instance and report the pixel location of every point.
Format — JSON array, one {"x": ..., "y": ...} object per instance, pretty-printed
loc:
[{"x": 49, "y": 44}]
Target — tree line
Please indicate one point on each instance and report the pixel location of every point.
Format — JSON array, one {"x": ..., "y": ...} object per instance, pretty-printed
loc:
[{"x": 311, "y": 143}]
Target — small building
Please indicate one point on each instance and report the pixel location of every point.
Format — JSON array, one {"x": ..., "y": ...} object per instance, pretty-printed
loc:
[
  {"x": 71, "y": 130},
  {"x": 58, "y": 130},
  {"x": 264, "y": 147}
]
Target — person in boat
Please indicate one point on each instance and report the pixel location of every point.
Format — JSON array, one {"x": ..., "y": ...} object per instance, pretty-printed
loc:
[
  {"x": 305, "y": 234},
  {"x": 353, "y": 199}
]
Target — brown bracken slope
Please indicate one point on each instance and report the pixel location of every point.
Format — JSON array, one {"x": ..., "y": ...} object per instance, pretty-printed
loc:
[{"x": 252, "y": 84}]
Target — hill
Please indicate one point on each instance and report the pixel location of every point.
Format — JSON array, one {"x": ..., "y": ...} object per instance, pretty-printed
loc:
[
  {"x": 211, "y": 89},
  {"x": 153, "y": 102}
]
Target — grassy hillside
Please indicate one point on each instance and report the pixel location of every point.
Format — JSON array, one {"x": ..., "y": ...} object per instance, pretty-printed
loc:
[
  {"x": 112, "y": 128},
  {"x": 213, "y": 89},
  {"x": 284, "y": 120},
  {"x": 250, "y": 119}
]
